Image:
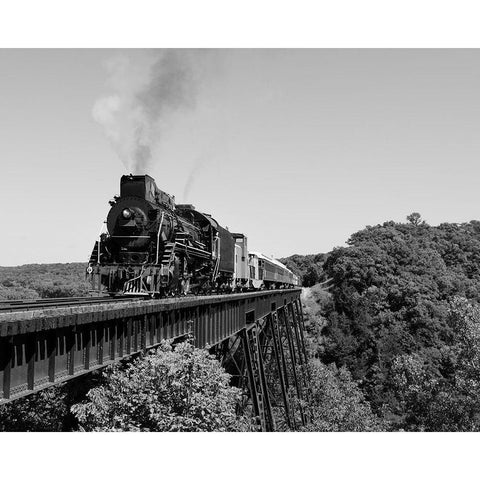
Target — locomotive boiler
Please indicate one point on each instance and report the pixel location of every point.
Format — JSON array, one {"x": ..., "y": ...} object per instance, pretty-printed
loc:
[{"x": 154, "y": 247}]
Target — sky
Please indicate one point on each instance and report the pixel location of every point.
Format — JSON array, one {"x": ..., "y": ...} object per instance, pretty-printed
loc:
[{"x": 298, "y": 149}]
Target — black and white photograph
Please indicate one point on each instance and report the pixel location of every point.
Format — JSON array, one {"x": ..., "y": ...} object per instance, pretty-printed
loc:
[{"x": 239, "y": 239}]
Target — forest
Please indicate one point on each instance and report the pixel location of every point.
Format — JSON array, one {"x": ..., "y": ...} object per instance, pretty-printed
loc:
[
  {"x": 400, "y": 312},
  {"x": 393, "y": 333},
  {"x": 43, "y": 281}
]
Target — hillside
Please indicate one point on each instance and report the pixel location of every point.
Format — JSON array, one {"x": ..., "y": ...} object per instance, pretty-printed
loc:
[
  {"x": 43, "y": 281},
  {"x": 402, "y": 316}
]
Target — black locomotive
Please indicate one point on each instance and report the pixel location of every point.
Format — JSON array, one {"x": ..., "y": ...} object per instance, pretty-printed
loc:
[{"x": 154, "y": 247}]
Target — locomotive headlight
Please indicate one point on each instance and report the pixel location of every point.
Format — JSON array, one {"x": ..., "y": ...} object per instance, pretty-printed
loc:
[{"x": 127, "y": 213}]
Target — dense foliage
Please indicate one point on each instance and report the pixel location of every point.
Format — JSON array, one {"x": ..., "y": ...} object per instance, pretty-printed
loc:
[
  {"x": 43, "y": 281},
  {"x": 45, "y": 411},
  {"x": 48, "y": 410},
  {"x": 336, "y": 403},
  {"x": 182, "y": 389},
  {"x": 446, "y": 398},
  {"x": 308, "y": 267},
  {"x": 395, "y": 322}
]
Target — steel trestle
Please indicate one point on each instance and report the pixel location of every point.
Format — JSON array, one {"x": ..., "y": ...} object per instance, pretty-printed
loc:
[{"x": 258, "y": 337}]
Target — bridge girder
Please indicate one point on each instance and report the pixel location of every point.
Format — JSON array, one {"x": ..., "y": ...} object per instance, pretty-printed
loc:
[
  {"x": 40, "y": 348},
  {"x": 269, "y": 363}
]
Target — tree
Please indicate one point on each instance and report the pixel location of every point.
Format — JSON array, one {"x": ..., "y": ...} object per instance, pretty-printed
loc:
[
  {"x": 414, "y": 218},
  {"x": 311, "y": 276},
  {"x": 181, "y": 389},
  {"x": 392, "y": 290},
  {"x": 307, "y": 267},
  {"x": 314, "y": 301},
  {"x": 443, "y": 395},
  {"x": 336, "y": 404},
  {"x": 46, "y": 411}
]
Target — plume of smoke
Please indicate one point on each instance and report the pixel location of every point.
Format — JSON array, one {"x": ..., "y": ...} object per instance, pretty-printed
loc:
[
  {"x": 148, "y": 88},
  {"x": 199, "y": 164},
  {"x": 191, "y": 179}
]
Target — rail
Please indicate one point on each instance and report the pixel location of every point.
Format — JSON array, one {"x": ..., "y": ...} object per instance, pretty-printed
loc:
[{"x": 43, "y": 303}]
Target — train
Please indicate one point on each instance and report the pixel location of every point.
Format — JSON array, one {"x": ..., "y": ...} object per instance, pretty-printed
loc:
[{"x": 151, "y": 246}]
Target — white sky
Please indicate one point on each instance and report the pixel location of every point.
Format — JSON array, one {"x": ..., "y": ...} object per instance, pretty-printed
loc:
[{"x": 295, "y": 148}]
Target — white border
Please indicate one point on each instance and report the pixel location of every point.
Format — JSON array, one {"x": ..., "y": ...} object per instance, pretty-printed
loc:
[
  {"x": 245, "y": 23},
  {"x": 240, "y": 456}
]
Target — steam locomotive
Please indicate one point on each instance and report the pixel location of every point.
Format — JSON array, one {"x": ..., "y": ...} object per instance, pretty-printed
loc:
[{"x": 154, "y": 247}]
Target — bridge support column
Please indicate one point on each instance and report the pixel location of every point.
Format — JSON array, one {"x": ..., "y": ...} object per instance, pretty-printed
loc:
[
  {"x": 281, "y": 368},
  {"x": 292, "y": 355},
  {"x": 6, "y": 347},
  {"x": 254, "y": 363},
  {"x": 297, "y": 314},
  {"x": 269, "y": 361},
  {"x": 252, "y": 381}
]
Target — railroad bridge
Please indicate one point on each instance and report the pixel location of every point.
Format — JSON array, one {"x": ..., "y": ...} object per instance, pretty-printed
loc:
[{"x": 258, "y": 337}]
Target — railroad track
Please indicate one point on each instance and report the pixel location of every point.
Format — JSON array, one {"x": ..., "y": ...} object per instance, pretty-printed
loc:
[{"x": 42, "y": 303}]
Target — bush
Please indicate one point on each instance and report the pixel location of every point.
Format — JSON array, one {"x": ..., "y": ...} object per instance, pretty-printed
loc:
[
  {"x": 336, "y": 403},
  {"x": 443, "y": 395},
  {"x": 45, "y": 411},
  {"x": 168, "y": 390}
]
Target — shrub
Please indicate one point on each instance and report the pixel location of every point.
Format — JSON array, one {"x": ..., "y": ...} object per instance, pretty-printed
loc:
[{"x": 181, "y": 389}]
